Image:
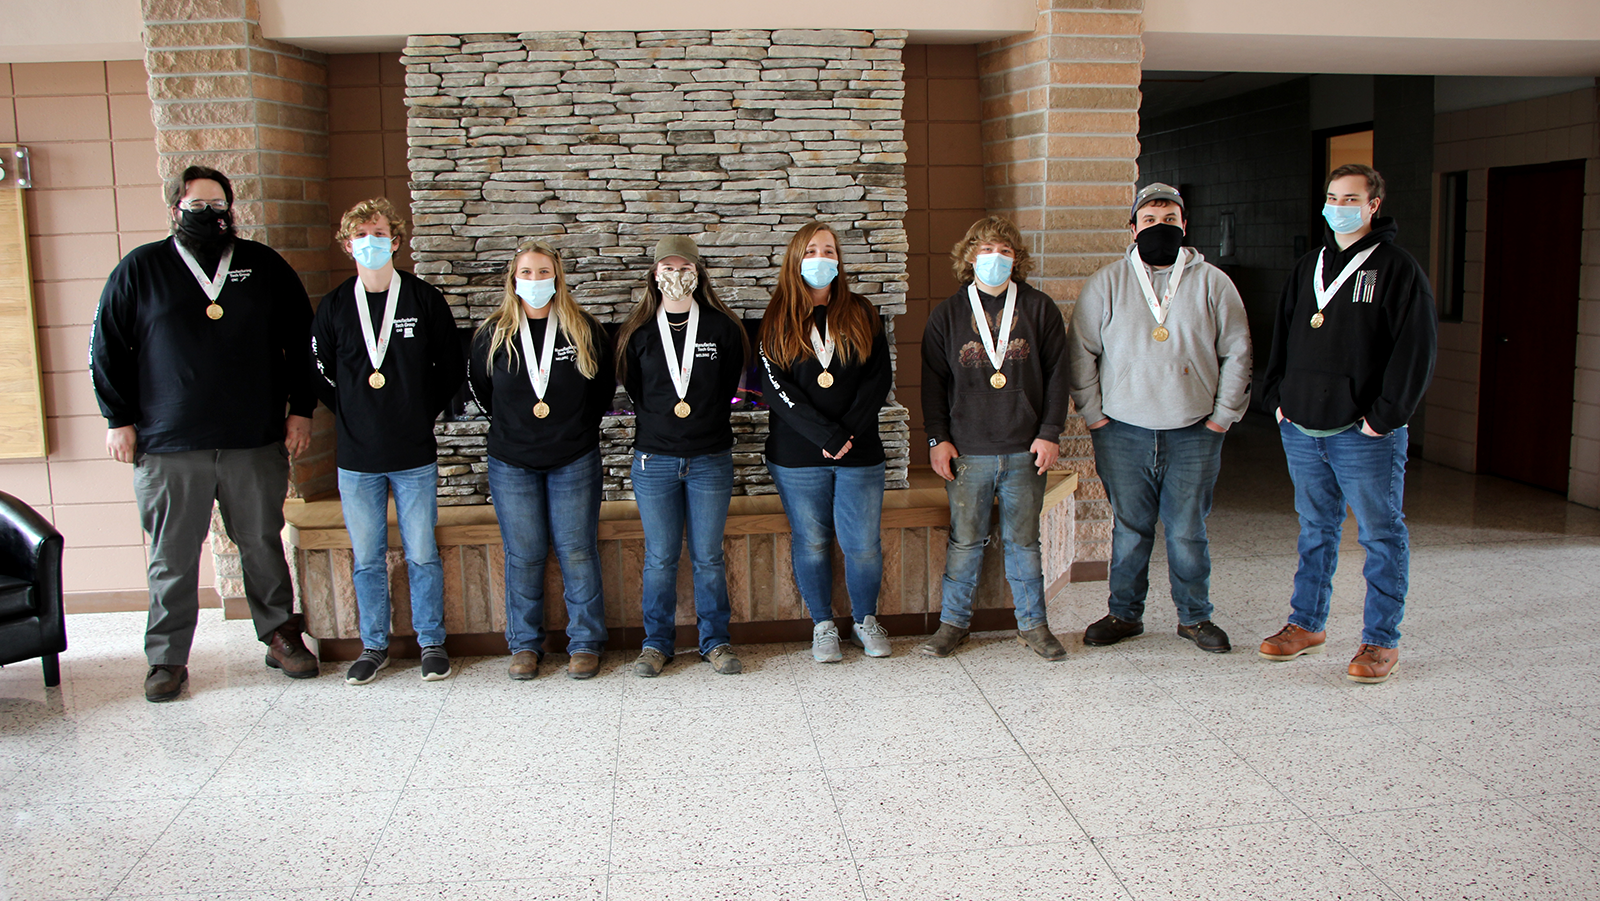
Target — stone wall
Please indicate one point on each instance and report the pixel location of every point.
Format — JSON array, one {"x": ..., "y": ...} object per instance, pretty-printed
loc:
[{"x": 606, "y": 141}]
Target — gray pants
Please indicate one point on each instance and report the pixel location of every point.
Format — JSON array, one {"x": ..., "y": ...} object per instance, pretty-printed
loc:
[{"x": 175, "y": 492}]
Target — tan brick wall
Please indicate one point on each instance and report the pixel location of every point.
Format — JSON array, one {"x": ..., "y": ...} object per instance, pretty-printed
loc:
[{"x": 1060, "y": 151}]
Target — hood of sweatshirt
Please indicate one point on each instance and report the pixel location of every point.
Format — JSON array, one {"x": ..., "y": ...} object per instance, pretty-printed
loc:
[{"x": 1384, "y": 230}]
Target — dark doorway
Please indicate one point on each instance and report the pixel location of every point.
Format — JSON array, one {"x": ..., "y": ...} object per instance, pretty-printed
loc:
[{"x": 1530, "y": 322}]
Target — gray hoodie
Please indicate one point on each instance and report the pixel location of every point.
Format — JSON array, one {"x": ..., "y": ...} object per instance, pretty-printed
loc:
[{"x": 1202, "y": 371}]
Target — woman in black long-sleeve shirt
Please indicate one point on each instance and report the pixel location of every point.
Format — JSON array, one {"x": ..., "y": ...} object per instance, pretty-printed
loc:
[
  {"x": 683, "y": 445},
  {"x": 541, "y": 368},
  {"x": 825, "y": 361}
]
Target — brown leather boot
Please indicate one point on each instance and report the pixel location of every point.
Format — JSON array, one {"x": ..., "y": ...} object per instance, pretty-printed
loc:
[
  {"x": 1372, "y": 664},
  {"x": 287, "y": 651},
  {"x": 1042, "y": 642},
  {"x": 524, "y": 666},
  {"x": 1292, "y": 641},
  {"x": 943, "y": 642},
  {"x": 164, "y": 682},
  {"x": 583, "y": 665}
]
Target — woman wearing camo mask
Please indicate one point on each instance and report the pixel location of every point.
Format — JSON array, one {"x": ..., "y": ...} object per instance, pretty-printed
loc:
[{"x": 681, "y": 354}]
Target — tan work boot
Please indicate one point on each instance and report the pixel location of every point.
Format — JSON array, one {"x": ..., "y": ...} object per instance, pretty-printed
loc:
[
  {"x": 1292, "y": 641},
  {"x": 524, "y": 666},
  {"x": 943, "y": 642},
  {"x": 583, "y": 665},
  {"x": 1372, "y": 664}
]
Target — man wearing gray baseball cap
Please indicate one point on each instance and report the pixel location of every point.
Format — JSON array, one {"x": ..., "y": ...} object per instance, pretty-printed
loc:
[{"x": 1160, "y": 359}]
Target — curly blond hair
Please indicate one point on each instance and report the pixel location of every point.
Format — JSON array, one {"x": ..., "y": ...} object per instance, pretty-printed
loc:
[
  {"x": 994, "y": 229},
  {"x": 366, "y": 211}
]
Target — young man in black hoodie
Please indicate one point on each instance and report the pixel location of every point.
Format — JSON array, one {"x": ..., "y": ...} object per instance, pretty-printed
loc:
[
  {"x": 1352, "y": 354},
  {"x": 994, "y": 401},
  {"x": 199, "y": 345},
  {"x": 385, "y": 346}
]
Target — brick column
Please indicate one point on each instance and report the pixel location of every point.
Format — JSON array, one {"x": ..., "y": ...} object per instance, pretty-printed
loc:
[
  {"x": 1060, "y": 152},
  {"x": 257, "y": 110}
]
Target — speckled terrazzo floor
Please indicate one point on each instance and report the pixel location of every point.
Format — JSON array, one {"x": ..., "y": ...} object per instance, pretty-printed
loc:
[{"x": 1146, "y": 770}]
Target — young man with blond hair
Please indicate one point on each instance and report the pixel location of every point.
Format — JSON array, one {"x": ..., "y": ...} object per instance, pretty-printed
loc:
[
  {"x": 386, "y": 349},
  {"x": 994, "y": 401}
]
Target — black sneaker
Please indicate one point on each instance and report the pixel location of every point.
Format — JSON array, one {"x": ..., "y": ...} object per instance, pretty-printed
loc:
[
  {"x": 1207, "y": 637},
  {"x": 435, "y": 663},
  {"x": 1110, "y": 630},
  {"x": 366, "y": 667}
]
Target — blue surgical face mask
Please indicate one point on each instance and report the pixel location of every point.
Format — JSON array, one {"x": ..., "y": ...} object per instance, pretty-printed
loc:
[
  {"x": 819, "y": 272},
  {"x": 372, "y": 251},
  {"x": 1342, "y": 219},
  {"x": 993, "y": 269},
  {"x": 536, "y": 291}
]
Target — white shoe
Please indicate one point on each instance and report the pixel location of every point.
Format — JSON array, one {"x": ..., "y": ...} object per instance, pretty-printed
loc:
[
  {"x": 825, "y": 642},
  {"x": 871, "y": 636}
]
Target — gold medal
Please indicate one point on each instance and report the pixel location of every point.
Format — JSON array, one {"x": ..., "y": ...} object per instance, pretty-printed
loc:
[
  {"x": 1161, "y": 333},
  {"x": 376, "y": 379},
  {"x": 541, "y": 409},
  {"x": 825, "y": 379},
  {"x": 1316, "y": 319},
  {"x": 214, "y": 311},
  {"x": 682, "y": 409},
  {"x": 998, "y": 380}
]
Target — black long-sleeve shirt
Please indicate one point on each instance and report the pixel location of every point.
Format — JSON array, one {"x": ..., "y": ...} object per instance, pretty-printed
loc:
[
  {"x": 189, "y": 382},
  {"x": 387, "y": 429},
  {"x": 807, "y": 419},
  {"x": 718, "y": 366},
  {"x": 1372, "y": 357},
  {"x": 503, "y": 390},
  {"x": 959, "y": 404}
]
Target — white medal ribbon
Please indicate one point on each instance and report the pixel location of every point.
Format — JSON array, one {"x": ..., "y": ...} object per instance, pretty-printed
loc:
[
  {"x": 212, "y": 286},
  {"x": 680, "y": 371},
  {"x": 824, "y": 348},
  {"x": 378, "y": 347},
  {"x": 995, "y": 347},
  {"x": 539, "y": 367},
  {"x": 1326, "y": 294},
  {"x": 1158, "y": 308}
]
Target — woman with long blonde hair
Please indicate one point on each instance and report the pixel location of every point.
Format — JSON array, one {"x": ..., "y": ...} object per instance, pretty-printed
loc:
[
  {"x": 825, "y": 365},
  {"x": 681, "y": 355},
  {"x": 540, "y": 368}
]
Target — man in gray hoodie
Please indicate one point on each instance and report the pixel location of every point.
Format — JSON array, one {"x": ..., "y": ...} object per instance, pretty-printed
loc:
[{"x": 1160, "y": 356}]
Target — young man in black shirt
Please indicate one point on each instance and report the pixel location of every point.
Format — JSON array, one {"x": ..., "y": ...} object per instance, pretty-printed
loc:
[
  {"x": 386, "y": 349},
  {"x": 198, "y": 348}
]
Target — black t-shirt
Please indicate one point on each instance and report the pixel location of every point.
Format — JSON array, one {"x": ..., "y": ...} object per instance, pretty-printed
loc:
[
  {"x": 190, "y": 382},
  {"x": 388, "y": 429},
  {"x": 718, "y": 366},
  {"x": 504, "y": 391},
  {"x": 807, "y": 419}
]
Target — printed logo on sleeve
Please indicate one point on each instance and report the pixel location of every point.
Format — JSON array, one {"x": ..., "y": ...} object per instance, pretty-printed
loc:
[{"x": 1366, "y": 283}]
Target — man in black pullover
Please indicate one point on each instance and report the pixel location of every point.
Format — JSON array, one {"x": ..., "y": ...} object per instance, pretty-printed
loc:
[
  {"x": 1352, "y": 355},
  {"x": 199, "y": 345},
  {"x": 994, "y": 400}
]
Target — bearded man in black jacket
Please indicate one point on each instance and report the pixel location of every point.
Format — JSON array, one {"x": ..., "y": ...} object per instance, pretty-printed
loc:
[
  {"x": 1352, "y": 354},
  {"x": 200, "y": 349}
]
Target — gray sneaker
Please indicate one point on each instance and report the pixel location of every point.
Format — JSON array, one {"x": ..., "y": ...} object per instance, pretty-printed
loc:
[
  {"x": 366, "y": 667},
  {"x": 725, "y": 661},
  {"x": 871, "y": 636},
  {"x": 435, "y": 663},
  {"x": 650, "y": 663},
  {"x": 825, "y": 642}
]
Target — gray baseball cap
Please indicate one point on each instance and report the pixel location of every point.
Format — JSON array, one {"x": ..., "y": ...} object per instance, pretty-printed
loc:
[
  {"x": 677, "y": 246},
  {"x": 1156, "y": 191}
]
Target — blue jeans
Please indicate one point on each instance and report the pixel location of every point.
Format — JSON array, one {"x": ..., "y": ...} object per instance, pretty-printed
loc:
[
  {"x": 364, "y": 496},
  {"x": 1015, "y": 479},
  {"x": 827, "y": 501},
  {"x": 1369, "y": 474},
  {"x": 538, "y": 508},
  {"x": 1165, "y": 474},
  {"x": 678, "y": 494}
]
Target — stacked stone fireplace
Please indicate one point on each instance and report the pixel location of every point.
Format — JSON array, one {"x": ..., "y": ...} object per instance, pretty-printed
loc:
[{"x": 603, "y": 142}]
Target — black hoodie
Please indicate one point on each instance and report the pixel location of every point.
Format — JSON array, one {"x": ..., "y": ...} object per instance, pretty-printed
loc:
[{"x": 1373, "y": 356}]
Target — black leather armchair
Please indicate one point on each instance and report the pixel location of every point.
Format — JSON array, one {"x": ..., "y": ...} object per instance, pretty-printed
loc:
[{"x": 31, "y": 613}]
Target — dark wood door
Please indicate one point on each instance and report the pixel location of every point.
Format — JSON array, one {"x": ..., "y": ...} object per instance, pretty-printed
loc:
[{"x": 1530, "y": 322}]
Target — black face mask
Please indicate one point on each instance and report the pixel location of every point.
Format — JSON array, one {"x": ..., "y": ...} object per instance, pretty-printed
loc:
[
  {"x": 1158, "y": 244},
  {"x": 208, "y": 230}
]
